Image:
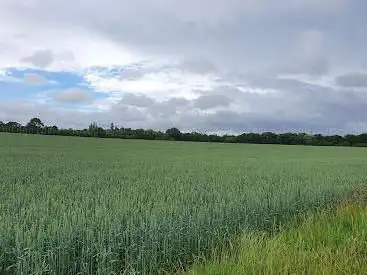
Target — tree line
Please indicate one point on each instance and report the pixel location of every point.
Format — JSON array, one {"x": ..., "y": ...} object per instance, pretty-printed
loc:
[{"x": 36, "y": 126}]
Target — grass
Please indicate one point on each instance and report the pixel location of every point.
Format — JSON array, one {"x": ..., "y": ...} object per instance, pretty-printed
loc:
[
  {"x": 94, "y": 206},
  {"x": 325, "y": 243}
]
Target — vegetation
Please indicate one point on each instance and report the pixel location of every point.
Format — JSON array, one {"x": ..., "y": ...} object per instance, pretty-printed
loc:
[
  {"x": 326, "y": 243},
  {"x": 35, "y": 126},
  {"x": 107, "y": 206}
]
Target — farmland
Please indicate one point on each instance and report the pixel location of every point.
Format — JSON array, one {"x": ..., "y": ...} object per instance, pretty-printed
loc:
[{"x": 100, "y": 206}]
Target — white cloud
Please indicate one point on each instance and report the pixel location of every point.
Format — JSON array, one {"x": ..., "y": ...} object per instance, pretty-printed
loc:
[
  {"x": 161, "y": 85},
  {"x": 5, "y": 76},
  {"x": 60, "y": 48}
]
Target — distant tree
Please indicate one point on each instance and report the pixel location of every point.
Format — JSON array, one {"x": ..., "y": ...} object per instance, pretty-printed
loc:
[
  {"x": 150, "y": 134},
  {"x": 215, "y": 138},
  {"x": 362, "y": 139},
  {"x": 93, "y": 129},
  {"x": 317, "y": 140},
  {"x": 229, "y": 138},
  {"x": 96, "y": 131},
  {"x": 47, "y": 130},
  {"x": 13, "y": 127},
  {"x": 12, "y": 124},
  {"x": 249, "y": 138},
  {"x": 287, "y": 138},
  {"x": 174, "y": 133},
  {"x": 36, "y": 122},
  {"x": 333, "y": 140},
  {"x": 34, "y": 126},
  {"x": 307, "y": 139},
  {"x": 269, "y": 138},
  {"x": 111, "y": 132}
]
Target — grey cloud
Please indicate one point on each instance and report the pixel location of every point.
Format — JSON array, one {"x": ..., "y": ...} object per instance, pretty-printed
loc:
[
  {"x": 264, "y": 82},
  {"x": 233, "y": 35},
  {"x": 244, "y": 122},
  {"x": 132, "y": 75},
  {"x": 319, "y": 110},
  {"x": 41, "y": 58},
  {"x": 135, "y": 71},
  {"x": 356, "y": 80},
  {"x": 65, "y": 56},
  {"x": 74, "y": 95},
  {"x": 154, "y": 107},
  {"x": 212, "y": 100},
  {"x": 309, "y": 55},
  {"x": 125, "y": 115},
  {"x": 169, "y": 107},
  {"x": 3, "y": 47},
  {"x": 137, "y": 100},
  {"x": 177, "y": 101},
  {"x": 294, "y": 106},
  {"x": 297, "y": 106},
  {"x": 199, "y": 66},
  {"x": 314, "y": 66}
]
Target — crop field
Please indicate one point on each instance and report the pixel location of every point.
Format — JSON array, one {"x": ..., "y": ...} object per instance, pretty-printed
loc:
[{"x": 73, "y": 205}]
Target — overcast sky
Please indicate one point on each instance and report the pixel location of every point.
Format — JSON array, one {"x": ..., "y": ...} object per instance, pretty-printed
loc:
[{"x": 207, "y": 65}]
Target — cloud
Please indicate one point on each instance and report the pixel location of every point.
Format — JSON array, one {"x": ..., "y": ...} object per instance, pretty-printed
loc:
[
  {"x": 309, "y": 55},
  {"x": 171, "y": 30},
  {"x": 6, "y": 77},
  {"x": 222, "y": 64},
  {"x": 34, "y": 79},
  {"x": 199, "y": 66},
  {"x": 40, "y": 58},
  {"x": 74, "y": 95},
  {"x": 166, "y": 109},
  {"x": 313, "y": 108},
  {"x": 161, "y": 82},
  {"x": 137, "y": 100},
  {"x": 353, "y": 80},
  {"x": 212, "y": 100}
]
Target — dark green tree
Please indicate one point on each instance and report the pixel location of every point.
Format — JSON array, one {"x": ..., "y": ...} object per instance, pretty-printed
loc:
[
  {"x": 96, "y": 131},
  {"x": 34, "y": 126},
  {"x": 173, "y": 133},
  {"x": 13, "y": 127}
]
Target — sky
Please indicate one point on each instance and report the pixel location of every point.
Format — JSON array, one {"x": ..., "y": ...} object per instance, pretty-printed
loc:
[{"x": 222, "y": 66}]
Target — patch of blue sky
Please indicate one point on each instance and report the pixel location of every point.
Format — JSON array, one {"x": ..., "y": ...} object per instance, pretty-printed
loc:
[
  {"x": 16, "y": 90},
  {"x": 14, "y": 85},
  {"x": 61, "y": 79}
]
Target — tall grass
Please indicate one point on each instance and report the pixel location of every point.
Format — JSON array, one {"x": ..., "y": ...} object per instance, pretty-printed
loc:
[
  {"x": 328, "y": 242},
  {"x": 90, "y": 206}
]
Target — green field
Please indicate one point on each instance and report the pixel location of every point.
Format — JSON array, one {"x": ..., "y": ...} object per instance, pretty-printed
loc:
[{"x": 103, "y": 206}]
